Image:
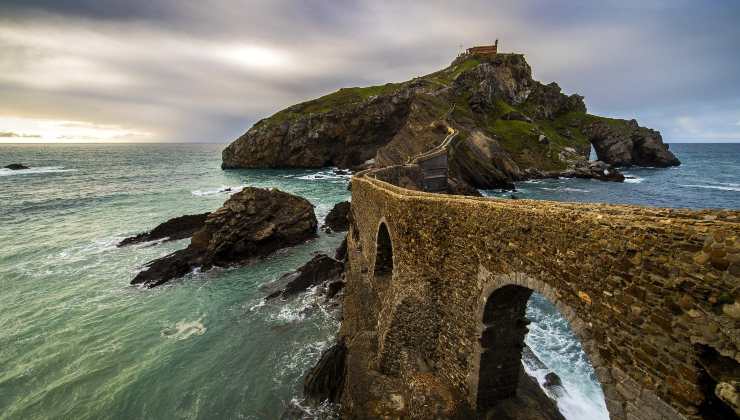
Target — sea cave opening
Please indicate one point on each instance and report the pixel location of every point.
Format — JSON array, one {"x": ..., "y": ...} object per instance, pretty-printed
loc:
[{"x": 530, "y": 357}]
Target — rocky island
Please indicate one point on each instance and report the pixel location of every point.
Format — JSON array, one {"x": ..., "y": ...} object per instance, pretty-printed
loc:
[{"x": 511, "y": 128}]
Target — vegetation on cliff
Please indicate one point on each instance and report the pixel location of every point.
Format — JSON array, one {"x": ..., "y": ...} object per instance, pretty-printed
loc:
[{"x": 512, "y": 127}]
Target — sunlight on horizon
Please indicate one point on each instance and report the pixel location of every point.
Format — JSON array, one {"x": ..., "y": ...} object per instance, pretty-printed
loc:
[{"x": 39, "y": 130}]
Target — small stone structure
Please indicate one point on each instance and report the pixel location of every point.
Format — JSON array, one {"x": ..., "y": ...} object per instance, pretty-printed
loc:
[
  {"x": 434, "y": 322},
  {"x": 484, "y": 49}
]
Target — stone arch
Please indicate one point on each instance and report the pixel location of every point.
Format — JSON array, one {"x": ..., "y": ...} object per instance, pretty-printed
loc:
[
  {"x": 502, "y": 306},
  {"x": 383, "y": 267}
]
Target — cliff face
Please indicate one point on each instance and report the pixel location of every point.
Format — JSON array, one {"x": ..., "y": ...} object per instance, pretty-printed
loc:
[{"x": 511, "y": 126}]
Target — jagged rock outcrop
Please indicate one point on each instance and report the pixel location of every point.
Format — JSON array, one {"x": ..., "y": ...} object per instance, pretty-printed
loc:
[
  {"x": 529, "y": 403},
  {"x": 252, "y": 223},
  {"x": 337, "y": 220},
  {"x": 17, "y": 167},
  {"x": 510, "y": 126},
  {"x": 325, "y": 381},
  {"x": 321, "y": 269},
  {"x": 481, "y": 161},
  {"x": 174, "y": 229},
  {"x": 625, "y": 143}
]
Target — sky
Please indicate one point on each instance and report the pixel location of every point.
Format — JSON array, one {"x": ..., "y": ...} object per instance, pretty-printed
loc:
[{"x": 205, "y": 71}]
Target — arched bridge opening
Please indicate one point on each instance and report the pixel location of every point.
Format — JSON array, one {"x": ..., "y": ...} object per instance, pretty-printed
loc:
[
  {"x": 502, "y": 379},
  {"x": 383, "y": 254}
]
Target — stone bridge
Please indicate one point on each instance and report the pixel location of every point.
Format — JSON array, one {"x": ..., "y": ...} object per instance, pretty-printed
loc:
[{"x": 437, "y": 285}]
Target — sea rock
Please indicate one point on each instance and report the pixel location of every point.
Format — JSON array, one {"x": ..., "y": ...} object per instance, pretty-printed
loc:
[
  {"x": 554, "y": 384},
  {"x": 174, "y": 229},
  {"x": 321, "y": 269},
  {"x": 625, "y": 143},
  {"x": 17, "y": 167},
  {"x": 324, "y": 382},
  {"x": 529, "y": 403},
  {"x": 252, "y": 223},
  {"x": 337, "y": 220}
]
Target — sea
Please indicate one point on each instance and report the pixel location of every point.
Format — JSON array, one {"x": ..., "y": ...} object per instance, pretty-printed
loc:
[{"x": 78, "y": 342}]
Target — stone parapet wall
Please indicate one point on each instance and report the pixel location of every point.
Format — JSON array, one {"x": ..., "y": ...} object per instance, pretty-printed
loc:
[{"x": 641, "y": 287}]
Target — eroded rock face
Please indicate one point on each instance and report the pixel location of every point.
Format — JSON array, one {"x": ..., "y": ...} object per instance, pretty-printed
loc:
[
  {"x": 337, "y": 220},
  {"x": 252, "y": 223},
  {"x": 625, "y": 143},
  {"x": 345, "y": 136},
  {"x": 174, "y": 229},
  {"x": 481, "y": 161}
]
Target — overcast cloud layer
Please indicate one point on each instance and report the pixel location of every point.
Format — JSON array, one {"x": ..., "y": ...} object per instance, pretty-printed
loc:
[{"x": 197, "y": 71}]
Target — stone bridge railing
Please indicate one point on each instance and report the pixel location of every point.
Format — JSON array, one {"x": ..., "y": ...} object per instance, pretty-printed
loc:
[{"x": 436, "y": 287}]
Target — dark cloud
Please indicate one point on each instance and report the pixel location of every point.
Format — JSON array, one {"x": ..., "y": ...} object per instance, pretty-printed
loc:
[{"x": 204, "y": 71}]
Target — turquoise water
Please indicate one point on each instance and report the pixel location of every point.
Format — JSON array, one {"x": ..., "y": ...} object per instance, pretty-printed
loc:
[{"x": 76, "y": 341}]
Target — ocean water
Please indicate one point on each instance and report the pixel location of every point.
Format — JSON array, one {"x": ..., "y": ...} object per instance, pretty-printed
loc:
[{"x": 76, "y": 341}]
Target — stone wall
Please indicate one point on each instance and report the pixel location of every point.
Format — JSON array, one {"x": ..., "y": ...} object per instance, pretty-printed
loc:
[{"x": 641, "y": 287}]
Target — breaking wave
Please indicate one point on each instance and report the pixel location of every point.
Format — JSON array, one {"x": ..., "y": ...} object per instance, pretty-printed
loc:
[{"x": 34, "y": 171}]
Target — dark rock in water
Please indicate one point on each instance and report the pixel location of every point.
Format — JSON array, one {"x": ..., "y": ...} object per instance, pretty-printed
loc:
[
  {"x": 337, "y": 220},
  {"x": 529, "y": 403},
  {"x": 342, "y": 172},
  {"x": 320, "y": 269},
  {"x": 324, "y": 382},
  {"x": 177, "y": 228},
  {"x": 554, "y": 384},
  {"x": 552, "y": 379},
  {"x": 17, "y": 167},
  {"x": 625, "y": 143},
  {"x": 580, "y": 168},
  {"x": 341, "y": 252},
  {"x": 334, "y": 288},
  {"x": 252, "y": 223}
]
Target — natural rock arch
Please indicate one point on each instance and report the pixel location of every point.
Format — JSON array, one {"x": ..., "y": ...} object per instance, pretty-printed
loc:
[{"x": 503, "y": 327}]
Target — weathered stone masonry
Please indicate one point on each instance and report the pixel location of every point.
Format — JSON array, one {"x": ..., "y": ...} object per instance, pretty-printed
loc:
[{"x": 648, "y": 291}]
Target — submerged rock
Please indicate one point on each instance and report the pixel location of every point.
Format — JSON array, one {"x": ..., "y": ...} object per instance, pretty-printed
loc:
[
  {"x": 337, "y": 219},
  {"x": 321, "y": 269},
  {"x": 17, "y": 167},
  {"x": 252, "y": 223},
  {"x": 176, "y": 228}
]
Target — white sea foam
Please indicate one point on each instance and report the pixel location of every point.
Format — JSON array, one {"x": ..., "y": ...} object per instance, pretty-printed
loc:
[
  {"x": 224, "y": 189},
  {"x": 631, "y": 179},
  {"x": 724, "y": 186},
  {"x": 33, "y": 171},
  {"x": 330, "y": 174},
  {"x": 182, "y": 330}
]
